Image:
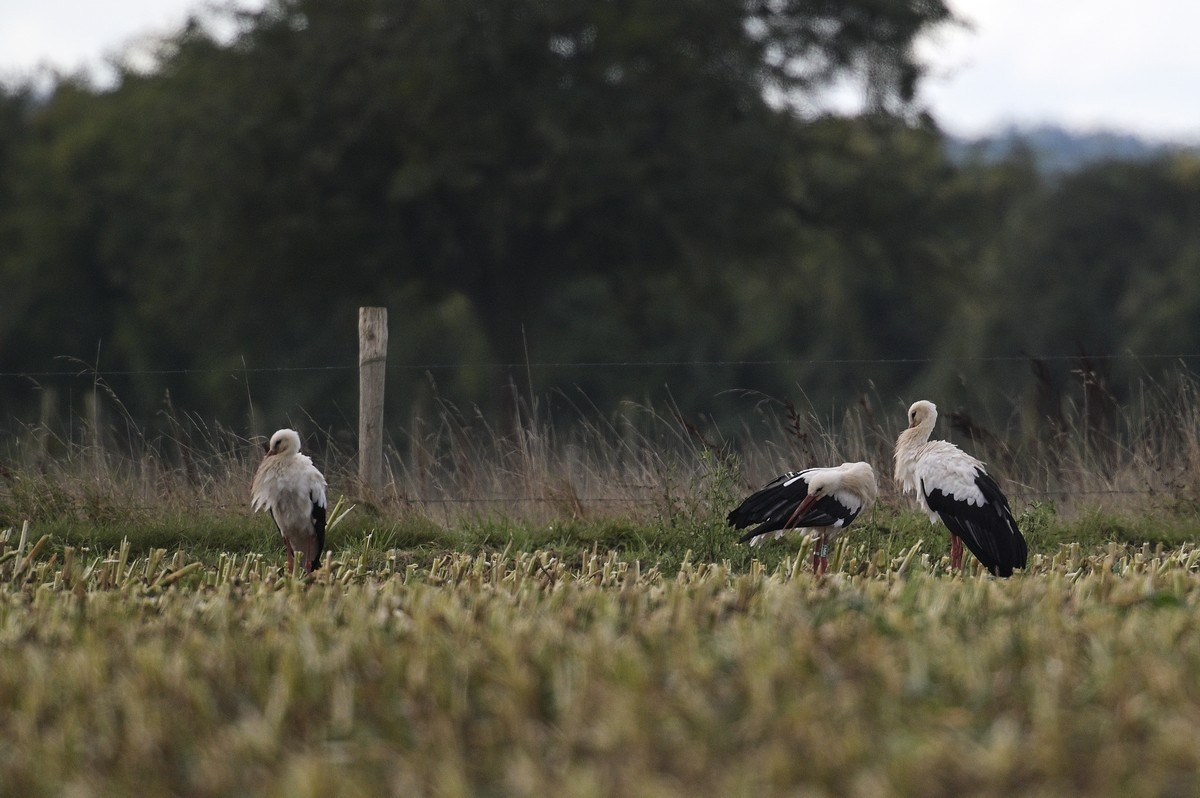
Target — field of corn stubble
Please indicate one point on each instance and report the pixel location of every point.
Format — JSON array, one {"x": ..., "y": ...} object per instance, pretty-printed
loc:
[
  {"x": 525, "y": 674},
  {"x": 599, "y": 632}
]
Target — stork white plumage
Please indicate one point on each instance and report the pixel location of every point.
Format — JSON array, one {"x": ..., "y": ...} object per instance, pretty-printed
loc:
[
  {"x": 953, "y": 487},
  {"x": 292, "y": 490},
  {"x": 825, "y": 500}
]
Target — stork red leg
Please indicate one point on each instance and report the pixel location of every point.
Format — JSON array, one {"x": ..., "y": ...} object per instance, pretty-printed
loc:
[
  {"x": 820, "y": 554},
  {"x": 956, "y": 552}
]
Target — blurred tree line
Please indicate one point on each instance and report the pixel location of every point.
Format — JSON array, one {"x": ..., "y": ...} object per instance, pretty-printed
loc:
[{"x": 526, "y": 183}]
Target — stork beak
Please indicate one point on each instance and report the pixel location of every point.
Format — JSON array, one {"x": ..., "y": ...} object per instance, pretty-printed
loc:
[{"x": 800, "y": 511}]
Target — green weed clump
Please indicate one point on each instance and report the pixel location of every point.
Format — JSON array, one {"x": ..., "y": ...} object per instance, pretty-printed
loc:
[{"x": 543, "y": 672}]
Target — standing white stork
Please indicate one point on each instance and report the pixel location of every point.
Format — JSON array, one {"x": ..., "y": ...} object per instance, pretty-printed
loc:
[
  {"x": 825, "y": 500},
  {"x": 955, "y": 488},
  {"x": 292, "y": 490}
]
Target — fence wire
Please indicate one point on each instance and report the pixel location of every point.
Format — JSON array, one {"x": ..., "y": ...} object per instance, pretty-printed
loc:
[{"x": 598, "y": 364}]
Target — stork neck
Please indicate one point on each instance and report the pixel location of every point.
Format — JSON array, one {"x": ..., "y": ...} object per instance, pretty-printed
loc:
[
  {"x": 907, "y": 446},
  {"x": 911, "y": 439}
]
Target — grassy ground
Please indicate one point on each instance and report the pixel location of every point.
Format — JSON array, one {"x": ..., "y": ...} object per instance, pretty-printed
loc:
[
  {"x": 662, "y": 539},
  {"x": 649, "y": 485},
  {"x": 567, "y": 613}
]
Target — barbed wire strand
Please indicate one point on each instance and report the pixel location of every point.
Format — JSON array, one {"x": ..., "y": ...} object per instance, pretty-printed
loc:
[{"x": 92, "y": 373}]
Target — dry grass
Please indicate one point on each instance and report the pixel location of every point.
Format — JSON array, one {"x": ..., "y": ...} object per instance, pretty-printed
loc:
[
  {"x": 457, "y": 466},
  {"x": 527, "y": 674},
  {"x": 649, "y": 484}
]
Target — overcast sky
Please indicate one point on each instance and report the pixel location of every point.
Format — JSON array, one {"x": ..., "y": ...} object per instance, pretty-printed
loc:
[{"x": 1086, "y": 64}]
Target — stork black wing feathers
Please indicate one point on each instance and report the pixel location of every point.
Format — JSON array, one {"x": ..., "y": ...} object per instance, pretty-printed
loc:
[
  {"x": 771, "y": 506},
  {"x": 989, "y": 531},
  {"x": 785, "y": 491},
  {"x": 271, "y": 513},
  {"x": 318, "y": 519}
]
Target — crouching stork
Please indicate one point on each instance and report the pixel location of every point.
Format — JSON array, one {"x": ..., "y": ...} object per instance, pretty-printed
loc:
[
  {"x": 292, "y": 490},
  {"x": 825, "y": 500},
  {"x": 953, "y": 487}
]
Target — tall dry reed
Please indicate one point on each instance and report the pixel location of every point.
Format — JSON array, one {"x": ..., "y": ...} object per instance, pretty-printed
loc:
[{"x": 581, "y": 462}]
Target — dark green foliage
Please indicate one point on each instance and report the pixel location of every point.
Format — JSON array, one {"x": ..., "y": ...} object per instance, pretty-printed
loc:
[
  {"x": 566, "y": 181},
  {"x": 572, "y": 183}
]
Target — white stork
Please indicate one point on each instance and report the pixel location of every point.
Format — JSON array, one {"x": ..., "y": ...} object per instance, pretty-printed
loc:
[
  {"x": 292, "y": 490},
  {"x": 825, "y": 500},
  {"x": 955, "y": 488}
]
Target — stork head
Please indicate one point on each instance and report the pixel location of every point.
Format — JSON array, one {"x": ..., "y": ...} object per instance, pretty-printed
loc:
[
  {"x": 821, "y": 484},
  {"x": 285, "y": 441},
  {"x": 922, "y": 413}
]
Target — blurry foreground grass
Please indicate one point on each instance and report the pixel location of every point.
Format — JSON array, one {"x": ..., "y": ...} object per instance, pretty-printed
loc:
[{"x": 548, "y": 673}]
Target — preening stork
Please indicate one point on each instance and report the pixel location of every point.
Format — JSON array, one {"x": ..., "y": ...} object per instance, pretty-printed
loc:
[
  {"x": 292, "y": 490},
  {"x": 825, "y": 500},
  {"x": 955, "y": 488}
]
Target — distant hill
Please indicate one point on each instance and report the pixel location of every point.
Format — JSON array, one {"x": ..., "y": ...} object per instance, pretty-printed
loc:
[{"x": 1057, "y": 149}]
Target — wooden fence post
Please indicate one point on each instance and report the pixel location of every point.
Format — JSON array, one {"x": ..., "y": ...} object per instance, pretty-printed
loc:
[
  {"x": 372, "y": 368},
  {"x": 49, "y": 416}
]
